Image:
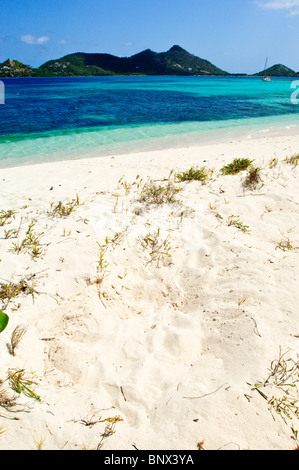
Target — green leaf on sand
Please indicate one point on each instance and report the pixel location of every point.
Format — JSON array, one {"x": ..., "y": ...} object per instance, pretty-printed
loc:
[{"x": 3, "y": 320}]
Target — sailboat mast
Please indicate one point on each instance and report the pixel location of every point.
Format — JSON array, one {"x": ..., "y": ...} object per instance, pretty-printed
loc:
[
  {"x": 266, "y": 63},
  {"x": 266, "y": 79}
]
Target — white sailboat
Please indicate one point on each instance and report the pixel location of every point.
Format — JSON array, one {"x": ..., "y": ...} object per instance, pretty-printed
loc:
[{"x": 266, "y": 78}]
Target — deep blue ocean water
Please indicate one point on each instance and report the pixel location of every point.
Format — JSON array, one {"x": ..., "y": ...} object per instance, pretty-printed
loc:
[{"x": 44, "y": 117}]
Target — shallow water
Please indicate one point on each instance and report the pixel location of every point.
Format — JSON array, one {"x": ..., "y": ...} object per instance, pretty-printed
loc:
[{"x": 64, "y": 117}]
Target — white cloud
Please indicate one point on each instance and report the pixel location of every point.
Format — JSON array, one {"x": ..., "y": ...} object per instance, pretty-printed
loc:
[
  {"x": 290, "y": 6},
  {"x": 30, "y": 39},
  {"x": 63, "y": 42}
]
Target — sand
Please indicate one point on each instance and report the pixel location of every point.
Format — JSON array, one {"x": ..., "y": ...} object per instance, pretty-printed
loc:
[{"x": 152, "y": 326}]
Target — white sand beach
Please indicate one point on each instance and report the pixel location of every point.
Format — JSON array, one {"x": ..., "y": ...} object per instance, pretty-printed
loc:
[{"x": 151, "y": 326}]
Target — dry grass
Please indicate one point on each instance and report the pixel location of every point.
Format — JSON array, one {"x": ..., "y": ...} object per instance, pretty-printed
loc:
[
  {"x": 280, "y": 390},
  {"x": 152, "y": 193},
  {"x": 63, "y": 209},
  {"x": 6, "y": 216},
  {"x": 30, "y": 244},
  {"x": 15, "y": 339},
  {"x": 159, "y": 249},
  {"x": 11, "y": 290},
  {"x": 273, "y": 163},
  {"x": 294, "y": 160},
  {"x": 253, "y": 179},
  {"x": 7, "y": 400}
]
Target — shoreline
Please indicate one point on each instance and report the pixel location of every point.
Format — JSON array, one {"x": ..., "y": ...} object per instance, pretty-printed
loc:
[
  {"x": 281, "y": 142},
  {"x": 173, "y": 141},
  {"x": 165, "y": 346}
]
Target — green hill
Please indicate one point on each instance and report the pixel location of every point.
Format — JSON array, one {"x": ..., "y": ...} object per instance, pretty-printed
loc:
[
  {"x": 277, "y": 70},
  {"x": 78, "y": 64},
  {"x": 14, "y": 68},
  {"x": 176, "y": 61},
  {"x": 180, "y": 61}
]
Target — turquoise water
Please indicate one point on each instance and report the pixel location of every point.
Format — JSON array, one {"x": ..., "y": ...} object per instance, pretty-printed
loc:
[{"x": 46, "y": 119}]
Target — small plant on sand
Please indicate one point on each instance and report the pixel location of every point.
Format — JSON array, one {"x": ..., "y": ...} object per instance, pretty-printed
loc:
[
  {"x": 20, "y": 382},
  {"x": 152, "y": 193},
  {"x": 109, "y": 429},
  {"x": 84, "y": 220},
  {"x": 12, "y": 233},
  {"x": 101, "y": 271},
  {"x": 30, "y": 244},
  {"x": 39, "y": 442},
  {"x": 253, "y": 178},
  {"x": 91, "y": 420},
  {"x": 236, "y": 222},
  {"x": 102, "y": 263},
  {"x": 273, "y": 163},
  {"x": 66, "y": 233},
  {"x": 6, "y": 216},
  {"x": 285, "y": 245},
  {"x": 194, "y": 174},
  {"x": 63, "y": 209},
  {"x": 215, "y": 212},
  {"x": 15, "y": 339},
  {"x": 239, "y": 164},
  {"x": 10, "y": 290},
  {"x": 127, "y": 186},
  {"x": 158, "y": 249},
  {"x": 117, "y": 238},
  {"x": 282, "y": 385},
  {"x": 294, "y": 160}
]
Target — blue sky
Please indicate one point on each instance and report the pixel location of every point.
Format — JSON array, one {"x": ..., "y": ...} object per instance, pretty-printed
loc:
[{"x": 235, "y": 35}]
